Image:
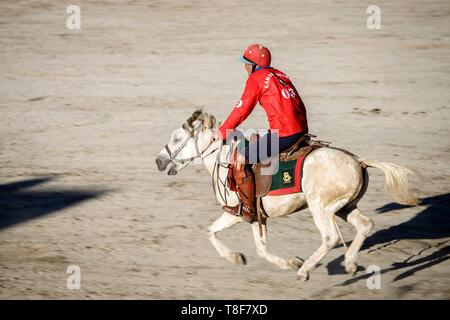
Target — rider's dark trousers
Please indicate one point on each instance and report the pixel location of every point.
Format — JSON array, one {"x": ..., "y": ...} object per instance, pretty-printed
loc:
[{"x": 262, "y": 148}]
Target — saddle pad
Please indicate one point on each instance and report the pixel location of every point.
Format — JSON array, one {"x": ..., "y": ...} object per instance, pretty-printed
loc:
[
  {"x": 286, "y": 181},
  {"x": 288, "y": 178}
]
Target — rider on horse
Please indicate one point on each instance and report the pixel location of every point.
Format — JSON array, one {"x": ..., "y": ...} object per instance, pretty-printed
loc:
[{"x": 287, "y": 119}]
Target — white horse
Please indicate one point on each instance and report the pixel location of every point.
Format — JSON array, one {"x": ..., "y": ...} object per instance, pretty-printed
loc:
[{"x": 333, "y": 182}]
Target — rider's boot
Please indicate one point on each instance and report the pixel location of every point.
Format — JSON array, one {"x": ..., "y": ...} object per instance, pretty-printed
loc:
[{"x": 245, "y": 185}]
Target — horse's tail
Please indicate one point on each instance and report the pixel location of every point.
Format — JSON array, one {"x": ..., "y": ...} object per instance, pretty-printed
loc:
[{"x": 401, "y": 183}]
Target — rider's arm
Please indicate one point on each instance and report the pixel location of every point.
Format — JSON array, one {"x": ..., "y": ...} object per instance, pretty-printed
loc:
[{"x": 243, "y": 108}]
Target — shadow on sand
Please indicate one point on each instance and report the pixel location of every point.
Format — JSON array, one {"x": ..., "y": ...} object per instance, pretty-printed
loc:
[
  {"x": 17, "y": 204},
  {"x": 433, "y": 222}
]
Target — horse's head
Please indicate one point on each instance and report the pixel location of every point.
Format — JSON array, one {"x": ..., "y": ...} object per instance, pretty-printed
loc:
[{"x": 184, "y": 145}]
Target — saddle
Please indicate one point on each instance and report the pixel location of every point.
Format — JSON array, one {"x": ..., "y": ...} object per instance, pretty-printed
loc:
[
  {"x": 304, "y": 146},
  {"x": 301, "y": 148},
  {"x": 263, "y": 180}
]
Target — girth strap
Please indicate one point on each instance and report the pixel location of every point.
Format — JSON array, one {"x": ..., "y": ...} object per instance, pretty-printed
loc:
[{"x": 259, "y": 215}]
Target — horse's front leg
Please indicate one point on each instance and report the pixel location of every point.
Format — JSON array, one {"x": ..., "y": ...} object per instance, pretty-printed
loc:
[
  {"x": 261, "y": 250},
  {"x": 225, "y": 221}
]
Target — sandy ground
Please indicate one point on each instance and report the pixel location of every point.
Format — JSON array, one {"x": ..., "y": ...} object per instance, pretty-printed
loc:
[{"x": 84, "y": 113}]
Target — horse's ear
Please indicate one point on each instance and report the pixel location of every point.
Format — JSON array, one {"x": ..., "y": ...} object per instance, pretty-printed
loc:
[
  {"x": 195, "y": 116},
  {"x": 212, "y": 121},
  {"x": 208, "y": 121}
]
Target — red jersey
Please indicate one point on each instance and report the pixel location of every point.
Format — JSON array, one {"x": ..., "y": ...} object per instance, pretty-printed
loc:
[{"x": 278, "y": 97}]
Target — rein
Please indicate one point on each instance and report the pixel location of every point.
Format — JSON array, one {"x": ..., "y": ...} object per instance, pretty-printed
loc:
[{"x": 224, "y": 185}]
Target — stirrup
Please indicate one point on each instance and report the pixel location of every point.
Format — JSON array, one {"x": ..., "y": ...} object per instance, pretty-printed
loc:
[
  {"x": 231, "y": 210},
  {"x": 247, "y": 216}
]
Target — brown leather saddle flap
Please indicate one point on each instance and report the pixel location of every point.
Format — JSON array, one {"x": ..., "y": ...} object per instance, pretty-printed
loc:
[{"x": 263, "y": 182}]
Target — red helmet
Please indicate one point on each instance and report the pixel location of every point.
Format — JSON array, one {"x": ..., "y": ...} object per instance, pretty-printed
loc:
[{"x": 257, "y": 54}]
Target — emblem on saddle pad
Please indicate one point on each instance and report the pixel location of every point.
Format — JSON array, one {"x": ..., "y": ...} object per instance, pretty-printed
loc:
[{"x": 286, "y": 177}]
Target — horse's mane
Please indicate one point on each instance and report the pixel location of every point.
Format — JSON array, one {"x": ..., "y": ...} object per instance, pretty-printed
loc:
[{"x": 207, "y": 120}]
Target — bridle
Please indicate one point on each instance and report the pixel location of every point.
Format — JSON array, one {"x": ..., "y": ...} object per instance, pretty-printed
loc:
[{"x": 192, "y": 134}]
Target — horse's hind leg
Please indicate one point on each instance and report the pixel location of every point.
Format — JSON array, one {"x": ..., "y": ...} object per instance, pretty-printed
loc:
[
  {"x": 323, "y": 218},
  {"x": 363, "y": 226},
  {"x": 261, "y": 250},
  {"x": 225, "y": 221}
]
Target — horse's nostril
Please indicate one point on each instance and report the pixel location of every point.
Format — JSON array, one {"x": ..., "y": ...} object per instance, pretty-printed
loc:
[{"x": 159, "y": 163}]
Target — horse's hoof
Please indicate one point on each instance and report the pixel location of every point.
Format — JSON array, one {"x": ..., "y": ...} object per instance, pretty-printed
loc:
[
  {"x": 351, "y": 268},
  {"x": 238, "y": 258},
  {"x": 295, "y": 263},
  {"x": 302, "y": 276}
]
